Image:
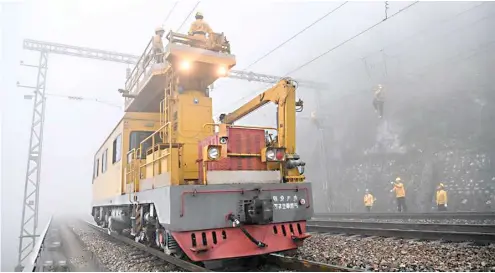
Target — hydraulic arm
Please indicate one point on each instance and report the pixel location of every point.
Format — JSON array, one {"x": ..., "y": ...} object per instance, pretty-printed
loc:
[{"x": 283, "y": 94}]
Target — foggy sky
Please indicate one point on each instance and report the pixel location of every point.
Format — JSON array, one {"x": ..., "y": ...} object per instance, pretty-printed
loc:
[{"x": 74, "y": 130}]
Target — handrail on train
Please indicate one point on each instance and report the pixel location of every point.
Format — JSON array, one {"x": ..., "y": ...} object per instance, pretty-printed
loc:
[
  {"x": 140, "y": 70},
  {"x": 38, "y": 247},
  {"x": 144, "y": 66}
]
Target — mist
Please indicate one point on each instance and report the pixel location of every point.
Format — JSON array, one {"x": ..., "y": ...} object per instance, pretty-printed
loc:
[{"x": 434, "y": 60}]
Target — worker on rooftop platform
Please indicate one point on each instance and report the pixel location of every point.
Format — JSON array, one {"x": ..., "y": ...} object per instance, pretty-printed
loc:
[
  {"x": 441, "y": 198},
  {"x": 158, "y": 44},
  {"x": 369, "y": 199},
  {"x": 400, "y": 194},
  {"x": 200, "y": 28},
  {"x": 378, "y": 100}
]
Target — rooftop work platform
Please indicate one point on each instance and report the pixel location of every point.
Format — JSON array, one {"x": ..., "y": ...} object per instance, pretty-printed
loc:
[{"x": 190, "y": 62}]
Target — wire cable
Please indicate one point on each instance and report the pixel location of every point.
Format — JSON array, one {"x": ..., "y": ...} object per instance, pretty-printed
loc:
[
  {"x": 350, "y": 39},
  {"x": 426, "y": 69},
  {"x": 189, "y": 15},
  {"x": 426, "y": 29},
  {"x": 295, "y": 35},
  {"x": 334, "y": 48},
  {"x": 170, "y": 12},
  {"x": 79, "y": 98},
  {"x": 397, "y": 56}
]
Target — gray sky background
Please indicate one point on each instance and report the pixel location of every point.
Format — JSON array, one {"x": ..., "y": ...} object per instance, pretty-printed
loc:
[{"x": 74, "y": 129}]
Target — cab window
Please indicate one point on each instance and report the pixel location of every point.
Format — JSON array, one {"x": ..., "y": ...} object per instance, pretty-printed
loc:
[
  {"x": 104, "y": 161},
  {"x": 117, "y": 146},
  {"x": 97, "y": 167}
]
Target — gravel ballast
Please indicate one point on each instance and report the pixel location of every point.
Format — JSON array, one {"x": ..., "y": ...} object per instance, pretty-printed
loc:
[
  {"x": 390, "y": 254},
  {"x": 118, "y": 257}
]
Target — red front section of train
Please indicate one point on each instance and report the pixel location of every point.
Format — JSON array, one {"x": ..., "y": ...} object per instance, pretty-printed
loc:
[{"x": 213, "y": 244}]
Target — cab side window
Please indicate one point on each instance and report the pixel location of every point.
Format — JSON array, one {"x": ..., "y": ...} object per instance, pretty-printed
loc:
[
  {"x": 96, "y": 168},
  {"x": 117, "y": 149},
  {"x": 104, "y": 160}
]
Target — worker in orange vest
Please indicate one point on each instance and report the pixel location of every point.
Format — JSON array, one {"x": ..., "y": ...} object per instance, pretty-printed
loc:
[
  {"x": 199, "y": 27},
  {"x": 400, "y": 194},
  {"x": 369, "y": 199},
  {"x": 441, "y": 198}
]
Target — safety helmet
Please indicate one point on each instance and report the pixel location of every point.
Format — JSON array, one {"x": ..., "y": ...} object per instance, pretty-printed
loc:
[
  {"x": 380, "y": 86},
  {"x": 367, "y": 190},
  {"x": 441, "y": 185},
  {"x": 158, "y": 29},
  {"x": 397, "y": 179},
  {"x": 199, "y": 14}
]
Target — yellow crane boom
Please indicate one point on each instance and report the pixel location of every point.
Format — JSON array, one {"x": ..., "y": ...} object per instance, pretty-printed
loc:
[{"x": 283, "y": 94}]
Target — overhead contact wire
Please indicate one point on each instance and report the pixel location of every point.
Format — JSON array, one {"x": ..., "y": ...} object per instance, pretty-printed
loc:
[
  {"x": 295, "y": 35},
  {"x": 78, "y": 98},
  {"x": 189, "y": 15},
  {"x": 337, "y": 46},
  {"x": 170, "y": 12},
  {"x": 350, "y": 39}
]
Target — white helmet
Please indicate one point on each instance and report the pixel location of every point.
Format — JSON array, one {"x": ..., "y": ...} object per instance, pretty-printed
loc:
[{"x": 158, "y": 29}]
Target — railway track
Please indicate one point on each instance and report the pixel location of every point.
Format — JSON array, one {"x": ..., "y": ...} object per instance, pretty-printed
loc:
[
  {"x": 273, "y": 262},
  {"x": 445, "y": 232},
  {"x": 430, "y": 215},
  {"x": 188, "y": 266}
]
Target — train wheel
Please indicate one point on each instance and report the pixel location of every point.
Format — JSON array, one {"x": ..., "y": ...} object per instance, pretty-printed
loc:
[
  {"x": 102, "y": 224},
  {"x": 111, "y": 227}
]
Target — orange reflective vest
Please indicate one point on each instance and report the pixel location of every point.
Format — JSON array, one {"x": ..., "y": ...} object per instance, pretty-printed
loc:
[
  {"x": 399, "y": 190},
  {"x": 200, "y": 26},
  {"x": 441, "y": 197},
  {"x": 368, "y": 200}
]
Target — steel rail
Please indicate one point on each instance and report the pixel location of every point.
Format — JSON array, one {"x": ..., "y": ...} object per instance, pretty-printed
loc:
[
  {"x": 159, "y": 254},
  {"x": 464, "y": 215},
  {"x": 299, "y": 265},
  {"x": 276, "y": 259},
  {"x": 414, "y": 231},
  {"x": 407, "y": 226}
]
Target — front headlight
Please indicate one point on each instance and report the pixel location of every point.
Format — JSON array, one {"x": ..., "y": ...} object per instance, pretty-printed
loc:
[
  {"x": 222, "y": 71},
  {"x": 275, "y": 154},
  {"x": 270, "y": 155},
  {"x": 213, "y": 153},
  {"x": 185, "y": 65}
]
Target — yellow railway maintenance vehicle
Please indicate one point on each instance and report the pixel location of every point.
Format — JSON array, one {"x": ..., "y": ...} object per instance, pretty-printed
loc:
[{"x": 179, "y": 182}]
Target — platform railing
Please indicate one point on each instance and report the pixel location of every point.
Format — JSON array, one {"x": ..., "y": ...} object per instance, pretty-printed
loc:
[
  {"x": 144, "y": 66},
  {"x": 131, "y": 170},
  {"x": 215, "y": 42},
  {"x": 141, "y": 71},
  {"x": 137, "y": 170},
  {"x": 166, "y": 128},
  {"x": 32, "y": 259}
]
